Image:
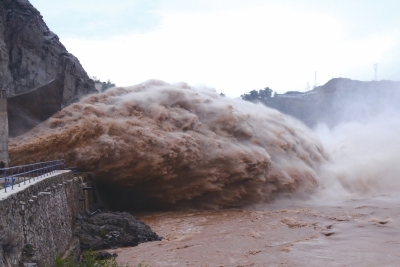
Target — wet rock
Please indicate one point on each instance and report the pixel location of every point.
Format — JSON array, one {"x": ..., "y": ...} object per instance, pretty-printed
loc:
[
  {"x": 112, "y": 229},
  {"x": 328, "y": 233}
]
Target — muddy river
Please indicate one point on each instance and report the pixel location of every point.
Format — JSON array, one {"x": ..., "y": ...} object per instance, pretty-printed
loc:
[{"x": 352, "y": 232}]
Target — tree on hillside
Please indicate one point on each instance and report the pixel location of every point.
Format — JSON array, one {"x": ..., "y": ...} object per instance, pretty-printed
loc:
[
  {"x": 252, "y": 95},
  {"x": 95, "y": 79},
  {"x": 104, "y": 85},
  {"x": 266, "y": 93},
  {"x": 261, "y": 94},
  {"x": 107, "y": 85}
]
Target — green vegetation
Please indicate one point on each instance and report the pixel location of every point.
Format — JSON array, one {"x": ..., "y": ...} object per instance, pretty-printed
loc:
[
  {"x": 95, "y": 79},
  {"x": 107, "y": 85},
  {"x": 261, "y": 94},
  {"x": 104, "y": 85},
  {"x": 102, "y": 233},
  {"x": 89, "y": 260},
  {"x": 30, "y": 219}
]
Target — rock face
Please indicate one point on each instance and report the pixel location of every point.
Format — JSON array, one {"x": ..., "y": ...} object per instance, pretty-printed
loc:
[
  {"x": 113, "y": 229},
  {"x": 31, "y": 55}
]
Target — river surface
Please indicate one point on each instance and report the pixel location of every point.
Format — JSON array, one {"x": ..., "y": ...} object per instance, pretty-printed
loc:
[{"x": 352, "y": 232}]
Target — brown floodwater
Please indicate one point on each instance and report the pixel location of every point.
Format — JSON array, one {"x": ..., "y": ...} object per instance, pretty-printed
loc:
[
  {"x": 159, "y": 146},
  {"x": 353, "y": 232}
]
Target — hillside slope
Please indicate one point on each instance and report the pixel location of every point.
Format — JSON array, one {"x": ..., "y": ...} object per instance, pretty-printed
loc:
[{"x": 340, "y": 100}]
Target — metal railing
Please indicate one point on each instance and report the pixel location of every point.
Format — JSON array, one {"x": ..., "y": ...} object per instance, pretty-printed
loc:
[{"x": 17, "y": 175}]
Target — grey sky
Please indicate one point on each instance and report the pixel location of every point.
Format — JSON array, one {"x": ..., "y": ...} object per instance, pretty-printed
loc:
[
  {"x": 97, "y": 19},
  {"x": 234, "y": 46}
]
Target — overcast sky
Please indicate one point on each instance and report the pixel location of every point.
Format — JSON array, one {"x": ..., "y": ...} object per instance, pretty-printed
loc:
[{"x": 232, "y": 45}]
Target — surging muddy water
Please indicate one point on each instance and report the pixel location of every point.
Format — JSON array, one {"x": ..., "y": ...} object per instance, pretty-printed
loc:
[
  {"x": 171, "y": 146},
  {"x": 353, "y": 232},
  {"x": 157, "y": 145}
]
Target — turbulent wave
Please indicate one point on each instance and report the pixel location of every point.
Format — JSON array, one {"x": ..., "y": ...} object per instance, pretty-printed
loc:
[
  {"x": 175, "y": 145},
  {"x": 363, "y": 157}
]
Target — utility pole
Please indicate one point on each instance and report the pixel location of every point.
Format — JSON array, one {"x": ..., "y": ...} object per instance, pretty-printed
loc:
[
  {"x": 315, "y": 80},
  {"x": 376, "y": 71}
]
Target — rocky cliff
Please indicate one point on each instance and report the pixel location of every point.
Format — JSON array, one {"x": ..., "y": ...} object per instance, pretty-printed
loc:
[{"x": 31, "y": 55}]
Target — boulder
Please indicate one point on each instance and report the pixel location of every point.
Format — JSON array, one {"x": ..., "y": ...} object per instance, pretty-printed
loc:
[{"x": 112, "y": 229}]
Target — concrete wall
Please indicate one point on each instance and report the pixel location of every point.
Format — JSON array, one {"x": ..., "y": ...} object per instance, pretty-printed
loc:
[
  {"x": 35, "y": 226},
  {"x": 3, "y": 130}
]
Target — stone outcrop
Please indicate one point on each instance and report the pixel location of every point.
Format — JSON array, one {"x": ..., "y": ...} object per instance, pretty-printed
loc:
[
  {"x": 111, "y": 230},
  {"x": 31, "y": 55}
]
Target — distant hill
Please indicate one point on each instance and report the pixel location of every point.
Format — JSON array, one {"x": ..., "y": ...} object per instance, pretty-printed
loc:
[{"x": 339, "y": 100}]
